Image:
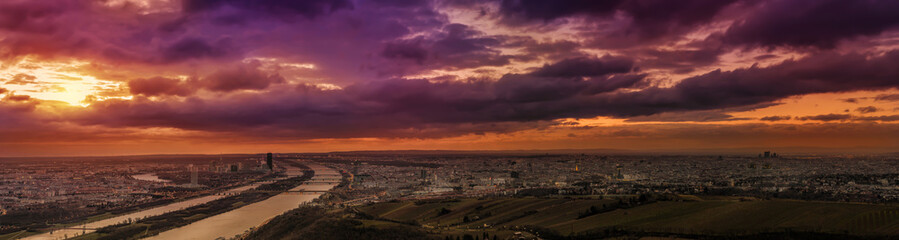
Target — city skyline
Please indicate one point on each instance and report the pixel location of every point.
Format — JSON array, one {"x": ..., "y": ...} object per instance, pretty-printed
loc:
[{"x": 134, "y": 77}]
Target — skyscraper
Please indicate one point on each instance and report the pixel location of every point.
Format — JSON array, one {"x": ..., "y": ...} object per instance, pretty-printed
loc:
[
  {"x": 193, "y": 176},
  {"x": 268, "y": 161}
]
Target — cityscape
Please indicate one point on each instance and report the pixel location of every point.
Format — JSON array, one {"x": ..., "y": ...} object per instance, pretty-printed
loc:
[
  {"x": 449, "y": 119},
  {"x": 48, "y": 198}
]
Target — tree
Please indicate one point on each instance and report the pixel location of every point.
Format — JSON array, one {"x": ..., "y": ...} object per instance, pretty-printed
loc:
[{"x": 443, "y": 211}]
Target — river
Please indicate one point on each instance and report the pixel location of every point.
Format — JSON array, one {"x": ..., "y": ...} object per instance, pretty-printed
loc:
[
  {"x": 149, "y": 177},
  {"x": 70, "y": 232},
  {"x": 239, "y": 220}
]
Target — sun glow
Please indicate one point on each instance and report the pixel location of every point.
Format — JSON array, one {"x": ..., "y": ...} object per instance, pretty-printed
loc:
[{"x": 56, "y": 82}]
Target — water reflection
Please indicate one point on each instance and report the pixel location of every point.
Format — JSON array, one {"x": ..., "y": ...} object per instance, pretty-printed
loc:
[{"x": 239, "y": 220}]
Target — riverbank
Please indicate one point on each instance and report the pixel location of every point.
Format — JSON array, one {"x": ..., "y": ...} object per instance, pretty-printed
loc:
[
  {"x": 155, "y": 224},
  {"x": 240, "y": 220}
]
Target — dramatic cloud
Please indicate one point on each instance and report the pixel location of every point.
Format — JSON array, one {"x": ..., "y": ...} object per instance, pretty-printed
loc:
[
  {"x": 192, "y": 48},
  {"x": 887, "y": 97},
  {"x": 456, "y": 47},
  {"x": 386, "y": 69},
  {"x": 819, "y": 23},
  {"x": 648, "y": 17},
  {"x": 827, "y": 117},
  {"x": 775, "y": 118},
  {"x": 868, "y": 109},
  {"x": 573, "y": 88},
  {"x": 850, "y": 100},
  {"x": 238, "y": 78},
  {"x": 22, "y": 79},
  {"x": 158, "y": 86},
  {"x": 746, "y": 86},
  {"x": 307, "y": 8},
  {"x": 886, "y": 118},
  {"x": 586, "y": 67}
]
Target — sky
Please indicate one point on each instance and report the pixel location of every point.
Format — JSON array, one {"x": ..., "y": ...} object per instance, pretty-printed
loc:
[{"x": 119, "y": 77}]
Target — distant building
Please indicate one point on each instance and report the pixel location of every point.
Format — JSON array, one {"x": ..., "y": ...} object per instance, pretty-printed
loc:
[
  {"x": 514, "y": 175},
  {"x": 361, "y": 178},
  {"x": 194, "y": 178},
  {"x": 767, "y": 154},
  {"x": 268, "y": 161},
  {"x": 618, "y": 176}
]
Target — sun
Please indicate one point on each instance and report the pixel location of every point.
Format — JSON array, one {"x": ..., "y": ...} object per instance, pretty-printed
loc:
[{"x": 55, "y": 81}]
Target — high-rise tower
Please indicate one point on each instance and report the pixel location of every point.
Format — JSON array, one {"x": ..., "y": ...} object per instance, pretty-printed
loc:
[{"x": 193, "y": 176}]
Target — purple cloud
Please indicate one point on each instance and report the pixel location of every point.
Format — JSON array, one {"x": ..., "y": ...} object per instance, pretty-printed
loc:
[{"x": 819, "y": 23}]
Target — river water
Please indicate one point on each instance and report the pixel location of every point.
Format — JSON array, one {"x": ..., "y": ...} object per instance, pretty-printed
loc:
[
  {"x": 291, "y": 171},
  {"x": 149, "y": 177},
  {"x": 239, "y": 220}
]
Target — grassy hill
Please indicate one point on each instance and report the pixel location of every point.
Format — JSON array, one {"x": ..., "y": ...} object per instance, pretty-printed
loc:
[{"x": 711, "y": 217}]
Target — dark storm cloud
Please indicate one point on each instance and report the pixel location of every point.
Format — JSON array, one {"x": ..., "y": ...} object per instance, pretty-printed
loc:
[
  {"x": 158, "y": 86},
  {"x": 306, "y": 8},
  {"x": 775, "y": 118},
  {"x": 819, "y": 23},
  {"x": 651, "y": 14},
  {"x": 402, "y": 3},
  {"x": 813, "y": 74},
  {"x": 586, "y": 67},
  {"x": 827, "y": 117},
  {"x": 565, "y": 79},
  {"x": 691, "y": 116},
  {"x": 239, "y": 78},
  {"x": 36, "y": 27},
  {"x": 233, "y": 78},
  {"x": 850, "y": 100},
  {"x": 885, "y": 118},
  {"x": 367, "y": 47},
  {"x": 550, "y": 50},
  {"x": 658, "y": 17},
  {"x": 406, "y": 49},
  {"x": 649, "y": 19},
  {"x": 390, "y": 106},
  {"x": 194, "y": 48},
  {"x": 887, "y": 97},
  {"x": 681, "y": 60},
  {"x": 549, "y": 10},
  {"x": 31, "y": 16},
  {"x": 456, "y": 47},
  {"x": 868, "y": 109}
]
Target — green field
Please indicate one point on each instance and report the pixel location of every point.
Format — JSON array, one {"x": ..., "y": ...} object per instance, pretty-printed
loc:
[{"x": 713, "y": 216}]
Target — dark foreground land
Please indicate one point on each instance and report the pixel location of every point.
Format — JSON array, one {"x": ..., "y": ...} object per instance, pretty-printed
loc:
[{"x": 624, "y": 217}]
